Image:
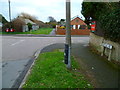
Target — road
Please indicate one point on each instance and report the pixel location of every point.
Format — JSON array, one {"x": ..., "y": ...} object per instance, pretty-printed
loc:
[{"x": 18, "y": 51}]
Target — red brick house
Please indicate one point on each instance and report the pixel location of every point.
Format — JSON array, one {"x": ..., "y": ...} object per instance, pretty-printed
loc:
[{"x": 78, "y": 27}]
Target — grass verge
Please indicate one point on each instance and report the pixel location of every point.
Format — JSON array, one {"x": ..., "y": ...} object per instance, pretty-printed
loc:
[
  {"x": 39, "y": 31},
  {"x": 49, "y": 71}
]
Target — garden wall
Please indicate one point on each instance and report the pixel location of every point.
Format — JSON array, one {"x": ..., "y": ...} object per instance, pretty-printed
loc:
[
  {"x": 96, "y": 43},
  {"x": 73, "y": 31}
]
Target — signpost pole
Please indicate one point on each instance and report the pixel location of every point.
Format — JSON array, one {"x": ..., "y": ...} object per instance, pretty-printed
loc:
[
  {"x": 9, "y": 12},
  {"x": 68, "y": 35}
]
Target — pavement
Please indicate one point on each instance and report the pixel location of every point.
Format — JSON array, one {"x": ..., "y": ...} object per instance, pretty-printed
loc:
[{"x": 93, "y": 67}]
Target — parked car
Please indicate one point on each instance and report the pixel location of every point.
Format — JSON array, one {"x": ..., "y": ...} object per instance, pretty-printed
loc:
[
  {"x": 62, "y": 27},
  {"x": 9, "y": 30}
]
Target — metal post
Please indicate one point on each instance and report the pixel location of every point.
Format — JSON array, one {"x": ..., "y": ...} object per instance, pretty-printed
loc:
[
  {"x": 68, "y": 32},
  {"x": 9, "y": 12},
  {"x": 109, "y": 56}
]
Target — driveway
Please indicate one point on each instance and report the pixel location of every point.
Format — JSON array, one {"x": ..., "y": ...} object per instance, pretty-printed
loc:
[{"x": 53, "y": 32}]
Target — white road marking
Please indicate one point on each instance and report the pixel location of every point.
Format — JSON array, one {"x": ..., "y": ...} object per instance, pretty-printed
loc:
[{"x": 17, "y": 42}]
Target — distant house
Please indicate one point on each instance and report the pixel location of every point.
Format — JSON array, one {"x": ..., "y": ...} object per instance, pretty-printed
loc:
[
  {"x": 78, "y": 27},
  {"x": 21, "y": 25}
]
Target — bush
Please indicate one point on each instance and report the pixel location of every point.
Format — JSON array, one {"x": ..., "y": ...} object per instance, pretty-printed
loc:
[
  {"x": 29, "y": 26},
  {"x": 107, "y": 14},
  {"x": 111, "y": 25}
]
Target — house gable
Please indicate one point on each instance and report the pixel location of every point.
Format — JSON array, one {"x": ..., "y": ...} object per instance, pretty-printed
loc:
[{"x": 78, "y": 21}]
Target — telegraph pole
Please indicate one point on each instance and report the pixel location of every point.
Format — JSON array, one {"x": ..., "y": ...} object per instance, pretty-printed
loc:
[
  {"x": 9, "y": 12},
  {"x": 68, "y": 35}
]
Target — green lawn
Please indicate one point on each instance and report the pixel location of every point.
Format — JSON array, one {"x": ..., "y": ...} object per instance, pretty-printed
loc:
[
  {"x": 40, "y": 31},
  {"x": 49, "y": 71}
]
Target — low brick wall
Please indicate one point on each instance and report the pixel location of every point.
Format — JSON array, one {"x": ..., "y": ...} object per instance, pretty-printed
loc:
[
  {"x": 73, "y": 31},
  {"x": 60, "y": 31},
  {"x": 96, "y": 41}
]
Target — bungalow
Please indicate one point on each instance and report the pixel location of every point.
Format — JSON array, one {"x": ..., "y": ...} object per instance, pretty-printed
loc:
[
  {"x": 78, "y": 27},
  {"x": 21, "y": 25}
]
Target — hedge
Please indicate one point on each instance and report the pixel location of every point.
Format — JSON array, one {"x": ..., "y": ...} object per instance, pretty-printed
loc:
[{"x": 107, "y": 14}]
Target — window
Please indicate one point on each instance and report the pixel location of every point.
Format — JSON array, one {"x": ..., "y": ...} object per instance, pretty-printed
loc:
[
  {"x": 82, "y": 27},
  {"x": 74, "y": 26},
  {"x": 78, "y": 26}
]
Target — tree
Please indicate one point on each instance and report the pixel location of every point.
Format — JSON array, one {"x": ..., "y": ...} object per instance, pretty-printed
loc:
[
  {"x": 51, "y": 19},
  {"x": 29, "y": 26},
  {"x": 27, "y": 16},
  {"x": 2, "y": 19},
  {"x": 32, "y": 18},
  {"x": 62, "y": 20},
  {"x": 107, "y": 14},
  {"x": 17, "y": 24}
]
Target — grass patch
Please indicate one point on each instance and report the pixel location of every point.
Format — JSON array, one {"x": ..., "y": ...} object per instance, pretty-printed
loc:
[
  {"x": 50, "y": 71},
  {"x": 39, "y": 31}
]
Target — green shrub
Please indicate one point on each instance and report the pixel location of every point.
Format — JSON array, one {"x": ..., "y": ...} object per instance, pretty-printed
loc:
[
  {"x": 29, "y": 26},
  {"x": 108, "y": 14}
]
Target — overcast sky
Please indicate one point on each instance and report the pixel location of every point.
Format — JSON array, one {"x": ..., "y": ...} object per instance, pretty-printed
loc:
[{"x": 41, "y": 8}]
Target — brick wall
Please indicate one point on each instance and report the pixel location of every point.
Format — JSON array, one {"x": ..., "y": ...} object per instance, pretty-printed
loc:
[{"x": 73, "y": 31}]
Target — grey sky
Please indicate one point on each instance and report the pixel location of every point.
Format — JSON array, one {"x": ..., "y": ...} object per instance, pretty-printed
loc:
[{"x": 41, "y": 8}]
